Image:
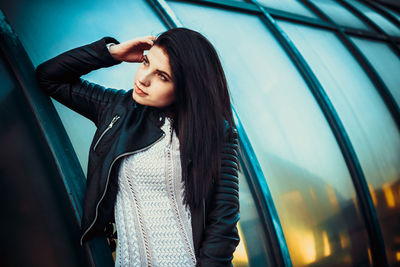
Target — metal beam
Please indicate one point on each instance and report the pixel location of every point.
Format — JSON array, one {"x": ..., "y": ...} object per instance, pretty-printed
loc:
[
  {"x": 54, "y": 134},
  {"x": 263, "y": 197},
  {"x": 165, "y": 13},
  {"x": 372, "y": 24},
  {"x": 372, "y": 74},
  {"x": 364, "y": 198},
  {"x": 280, "y": 14},
  {"x": 383, "y": 12}
]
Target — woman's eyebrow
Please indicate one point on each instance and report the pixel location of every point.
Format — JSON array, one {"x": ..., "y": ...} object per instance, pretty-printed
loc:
[{"x": 166, "y": 73}]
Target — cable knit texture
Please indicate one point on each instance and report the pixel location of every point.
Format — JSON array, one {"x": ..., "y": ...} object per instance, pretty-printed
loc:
[{"x": 153, "y": 225}]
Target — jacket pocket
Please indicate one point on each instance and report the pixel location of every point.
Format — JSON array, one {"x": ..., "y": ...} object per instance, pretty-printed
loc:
[{"x": 113, "y": 121}]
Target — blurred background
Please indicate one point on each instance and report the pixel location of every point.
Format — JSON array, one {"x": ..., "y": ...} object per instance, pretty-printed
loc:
[{"x": 315, "y": 88}]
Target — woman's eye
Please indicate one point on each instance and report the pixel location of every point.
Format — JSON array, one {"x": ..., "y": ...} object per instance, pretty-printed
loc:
[{"x": 163, "y": 77}]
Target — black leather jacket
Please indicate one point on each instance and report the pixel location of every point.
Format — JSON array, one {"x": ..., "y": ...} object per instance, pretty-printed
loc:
[{"x": 125, "y": 127}]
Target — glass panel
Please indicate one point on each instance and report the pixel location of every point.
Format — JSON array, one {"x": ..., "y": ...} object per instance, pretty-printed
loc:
[
  {"x": 252, "y": 249},
  {"x": 305, "y": 170},
  {"x": 371, "y": 129},
  {"x": 340, "y": 15},
  {"x": 385, "y": 62},
  {"x": 289, "y": 6},
  {"x": 46, "y": 32},
  {"x": 381, "y": 21}
]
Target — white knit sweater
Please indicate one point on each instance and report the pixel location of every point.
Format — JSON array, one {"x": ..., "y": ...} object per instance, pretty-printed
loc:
[{"x": 153, "y": 226}]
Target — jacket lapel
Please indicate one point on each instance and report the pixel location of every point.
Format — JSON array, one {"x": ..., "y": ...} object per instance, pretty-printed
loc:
[{"x": 139, "y": 130}]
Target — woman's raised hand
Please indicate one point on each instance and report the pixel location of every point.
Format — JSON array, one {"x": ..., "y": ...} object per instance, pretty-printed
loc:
[{"x": 132, "y": 50}]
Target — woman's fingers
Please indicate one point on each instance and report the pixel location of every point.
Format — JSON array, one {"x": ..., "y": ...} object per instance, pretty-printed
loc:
[
  {"x": 132, "y": 50},
  {"x": 149, "y": 39}
]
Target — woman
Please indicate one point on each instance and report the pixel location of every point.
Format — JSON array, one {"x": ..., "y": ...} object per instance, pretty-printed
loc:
[{"x": 163, "y": 164}]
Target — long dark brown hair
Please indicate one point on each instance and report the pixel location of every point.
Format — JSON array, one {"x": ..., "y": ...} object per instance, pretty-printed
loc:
[{"x": 202, "y": 103}]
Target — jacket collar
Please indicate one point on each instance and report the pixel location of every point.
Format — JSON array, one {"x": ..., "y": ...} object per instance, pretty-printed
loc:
[{"x": 141, "y": 128}]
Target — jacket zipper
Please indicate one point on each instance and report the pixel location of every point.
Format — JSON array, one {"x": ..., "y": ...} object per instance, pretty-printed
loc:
[
  {"x": 108, "y": 177},
  {"x": 114, "y": 120}
]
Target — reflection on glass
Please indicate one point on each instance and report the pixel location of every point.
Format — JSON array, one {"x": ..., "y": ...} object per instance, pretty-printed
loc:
[
  {"x": 38, "y": 24},
  {"x": 293, "y": 6},
  {"x": 377, "y": 18},
  {"x": 384, "y": 61},
  {"x": 240, "y": 258},
  {"x": 307, "y": 176},
  {"x": 340, "y": 14},
  {"x": 367, "y": 121},
  {"x": 252, "y": 249}
]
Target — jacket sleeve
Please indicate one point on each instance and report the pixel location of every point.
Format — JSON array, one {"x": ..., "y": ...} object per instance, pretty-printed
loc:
[
  {"x": 221, "y": 234},
  {"x": 59, "y": 78}
]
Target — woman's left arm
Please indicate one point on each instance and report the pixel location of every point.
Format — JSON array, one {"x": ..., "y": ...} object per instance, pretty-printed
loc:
[{"x": 221, "y": 234}]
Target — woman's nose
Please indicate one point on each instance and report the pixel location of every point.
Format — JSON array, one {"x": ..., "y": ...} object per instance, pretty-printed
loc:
[{"x": 144, "y": 80}]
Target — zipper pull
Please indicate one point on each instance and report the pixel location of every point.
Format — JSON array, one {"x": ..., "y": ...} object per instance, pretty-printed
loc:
[{"x": 113, "y": 121}]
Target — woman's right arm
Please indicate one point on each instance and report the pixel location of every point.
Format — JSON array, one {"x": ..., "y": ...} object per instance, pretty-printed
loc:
[{"x": 59, "y": 78}]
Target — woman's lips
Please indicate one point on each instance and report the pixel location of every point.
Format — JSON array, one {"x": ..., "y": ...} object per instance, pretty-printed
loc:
[{"x": 139, "y": 91}]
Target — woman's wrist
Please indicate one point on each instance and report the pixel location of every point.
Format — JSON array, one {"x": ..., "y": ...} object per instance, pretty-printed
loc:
[{"x": 111, "y": 49}]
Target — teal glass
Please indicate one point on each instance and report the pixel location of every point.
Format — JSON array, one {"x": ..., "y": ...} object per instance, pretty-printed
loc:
[
  {"x": 47, "y": 29},
  {"x": 377, "y": 18},
  {"x": 340, "y": 15},
  {"x": 252, "y": 249},
  {"x": 385, "y": 62},
  {"x": 366, "y": 119},
  {"x": 292, "y": 6},
  {"x": 298, "y": 154}
]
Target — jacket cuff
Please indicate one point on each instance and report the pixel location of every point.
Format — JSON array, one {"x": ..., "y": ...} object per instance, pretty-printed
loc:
[{"x": 101, "y": 46}]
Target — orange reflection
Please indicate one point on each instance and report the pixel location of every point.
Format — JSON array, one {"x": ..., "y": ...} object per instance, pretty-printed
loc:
[
  {"x": 369, "y": 256},
  {"x": 389, "y": 196},
  {"x": 313, "y": 197},
  {"x": 327, "y": 247},
  {"x": 240, "y": 257},
  {"x": 373, "y": 195},
  {"x": 299, "y": 237},
  {"x": 306, "y": 246},
  {"x": 344, "y": 241},
  {"x": 348, "y": 259},
  {"x": 397, "y": 255},
  {"x": 332, "y": 196}
]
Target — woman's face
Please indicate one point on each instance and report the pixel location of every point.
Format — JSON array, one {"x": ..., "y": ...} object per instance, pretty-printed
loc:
[{"x": 153, "y": 84}]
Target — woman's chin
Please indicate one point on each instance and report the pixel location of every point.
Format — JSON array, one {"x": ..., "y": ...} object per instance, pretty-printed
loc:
[{"x": 136, "y": 98}]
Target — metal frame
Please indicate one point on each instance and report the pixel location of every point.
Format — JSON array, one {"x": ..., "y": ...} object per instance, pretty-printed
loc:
[
  {"x": 166, "y": 14},
  {"x": 382, "y": 11},
  {"x": 391, "y": 40},
  {"x": 368, "y": 68},
  {"x": 48, "y": 121},
  {"x": 247, "y": 7},
  {"x": 389, "y": 5},
  {"x": 361, "y": 187},
  {"x": 263, "y": 197}
]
